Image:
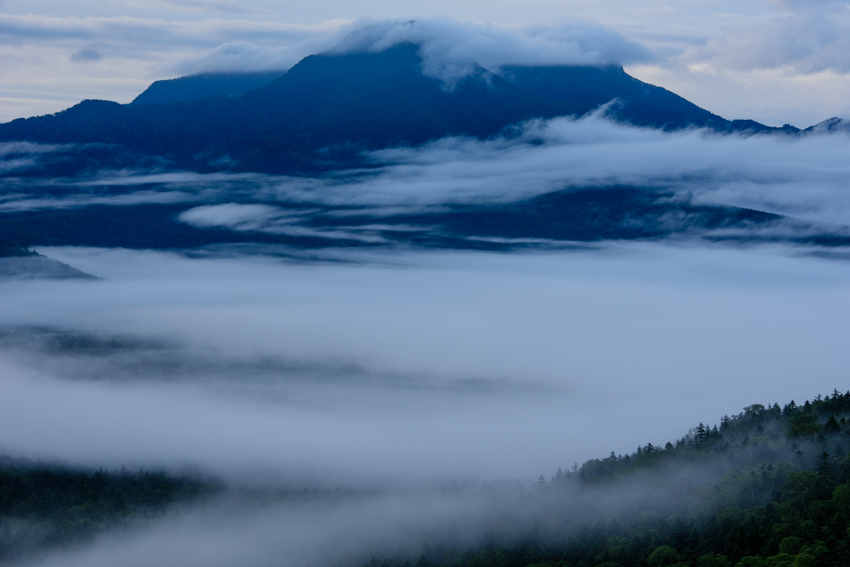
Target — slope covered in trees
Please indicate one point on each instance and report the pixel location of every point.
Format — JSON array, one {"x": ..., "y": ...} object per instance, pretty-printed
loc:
[
  {"x": 769, "y": 487},
  {"x": 44, "y": 507}
]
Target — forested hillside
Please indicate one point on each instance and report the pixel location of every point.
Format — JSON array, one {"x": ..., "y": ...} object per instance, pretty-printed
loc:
[
  {"x": 43, "y": 507},
  {"x": 767, "y": 487}
]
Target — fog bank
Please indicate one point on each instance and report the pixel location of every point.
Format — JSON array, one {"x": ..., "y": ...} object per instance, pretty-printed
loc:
[{"x": 408, "y": 368}]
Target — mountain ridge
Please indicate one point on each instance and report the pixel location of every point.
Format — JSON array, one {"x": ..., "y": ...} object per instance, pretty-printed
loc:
[{"x": 328, "y": 108}]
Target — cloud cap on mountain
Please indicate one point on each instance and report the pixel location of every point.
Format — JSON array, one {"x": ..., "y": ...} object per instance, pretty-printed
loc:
[{"x": 452, "y": 50}]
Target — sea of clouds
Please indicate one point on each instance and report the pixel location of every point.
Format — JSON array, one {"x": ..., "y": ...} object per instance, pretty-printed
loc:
[{"x": 394, "y": 377}]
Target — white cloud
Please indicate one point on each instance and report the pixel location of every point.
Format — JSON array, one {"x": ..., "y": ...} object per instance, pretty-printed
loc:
[
  {"x": 801, "y": 42},
  {"x": 603, "y": 335},
  {"x": 192, "y": 5},
  {"x": 273, "y": 220},
  {"x": 234, "y": 216},
  {"x": 803, "y": 177},
  {"x": 241, "y": 57},
  {"x": 452, "y": 49},
  {"x": 799, "y": 176}
]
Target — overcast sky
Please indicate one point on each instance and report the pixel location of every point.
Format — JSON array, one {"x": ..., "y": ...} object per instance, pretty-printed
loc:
[{"x": 774, "y": 61}]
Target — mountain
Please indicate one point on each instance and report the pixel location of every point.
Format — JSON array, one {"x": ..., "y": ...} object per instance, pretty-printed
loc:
[
  {"x": 829, "y": 125},
  {"x": 327, "y": 108},
  {"x": 195, "y": 87}
]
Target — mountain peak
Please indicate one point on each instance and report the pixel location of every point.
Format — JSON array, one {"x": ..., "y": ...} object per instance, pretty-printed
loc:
[{"x": 330, "y": 106}]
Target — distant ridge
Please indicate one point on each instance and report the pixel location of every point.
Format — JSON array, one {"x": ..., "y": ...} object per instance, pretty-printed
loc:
[{"x": 324, "y": 111}]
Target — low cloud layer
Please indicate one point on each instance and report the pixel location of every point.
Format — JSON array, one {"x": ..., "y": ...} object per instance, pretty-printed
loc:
[
  {"x": 406, "y": 368},
  {"x": 801, "y": 177}
]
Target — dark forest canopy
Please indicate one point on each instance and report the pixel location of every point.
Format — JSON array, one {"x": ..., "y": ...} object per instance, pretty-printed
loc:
[
  {"x": 47, "y": 506},
  {"x": 768, "y": 487}
]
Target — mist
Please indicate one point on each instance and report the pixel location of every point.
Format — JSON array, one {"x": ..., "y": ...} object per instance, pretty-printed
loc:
[
  {"x": 799, "y": 177},
  {"x": 452, "y": 365},
  {"x": 392, "y": 376}
]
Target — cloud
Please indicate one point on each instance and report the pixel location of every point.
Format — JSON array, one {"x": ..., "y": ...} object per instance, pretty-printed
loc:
[
  {"x": 86, "y": 55},
  {"x": 241, "y": 57},
  {"x": 807, "y": 38},
  {"x": 146, "y": 31},
  {"x": 24, "y": 148},
  {"x": 17, "y": 157},
  {"x": 235, "y": 216},
  {"x": 28, "y": 202},
  {"x": 332, "y": 528},
  {"x": 269, "y": 219},
  {"x": 798, "y": 176},
  {"x": 406, "y": 368},
  {"x": 197, "y": 5},
  {"x": 451, "y": 49},
  {"x": 180, "y": 46},
  {"x": 809, "y": 4}
]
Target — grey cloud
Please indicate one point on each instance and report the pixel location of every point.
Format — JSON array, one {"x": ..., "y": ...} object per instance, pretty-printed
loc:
[
  {"x": 50, "y": 28},
  {"x": 809, "y": 4},
  {"x": 19, "y": 164},
  {"x": 810, "y": 38},
  {"x": 28, "y": 202},
  {"x": 453, "y": 49},
  {"x": 798, "y": 176},
  {"x": 86, "y": 55},
  {"x": 801, "y": 177},
  {"x": 23, "y": 148},
  {"x": 152, "y": 34},
  {"x": 207, "y": 5},
  {"x": 450, "y": 49},
  {"x": 265, "y": 218},
  {"x": 240, "y": 57},
  {"x": 459, "y": 359},
  {"x": 20, "y": 156}
]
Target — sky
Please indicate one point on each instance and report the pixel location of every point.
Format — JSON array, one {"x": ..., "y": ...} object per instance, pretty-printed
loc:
[{"x": 779, "y": 61}]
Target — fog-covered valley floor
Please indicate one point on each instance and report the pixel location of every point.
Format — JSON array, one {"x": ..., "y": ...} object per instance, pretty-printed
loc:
[{"x": 392, "y": 377}]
